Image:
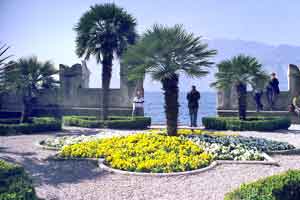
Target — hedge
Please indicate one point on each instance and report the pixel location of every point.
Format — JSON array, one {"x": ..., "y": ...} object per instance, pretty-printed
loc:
[
  {"x": 37, "y": 124},
  {"x": 15, "y": 183},
  {"x": 113, "y": 122},
  {"x": 251, "y": 124},
  {"x": 284, "y": 186}
]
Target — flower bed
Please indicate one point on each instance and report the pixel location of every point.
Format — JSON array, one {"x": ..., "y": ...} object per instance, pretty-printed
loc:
[
  {"x": 251, "y": 124},
  {"x": 59, "y": 142},
  {"x": 38, "y": 124},
  {"x": 231, "y": 151},
  {"x": 259, "y": 144},
  {"x": 143, "y": 153},
  {"x": 284, "y": 186},
  {"x": 114, "y": 122},
  {"x": 14, "y": 183}
]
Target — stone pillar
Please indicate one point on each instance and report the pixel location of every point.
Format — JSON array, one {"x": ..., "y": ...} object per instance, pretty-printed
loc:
[
  {"x": 293, "y": 80},
  {"x": 128, "y": 88},
  {"x": 223, "y": 99},
  {"x": 71, "y": 79}
]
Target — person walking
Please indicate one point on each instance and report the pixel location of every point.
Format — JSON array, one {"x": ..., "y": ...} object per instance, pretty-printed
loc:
[
  {"x": 193, "y": 103},
  {"x": 273, "y": 90},
  {"x": 138, "y": 105}
]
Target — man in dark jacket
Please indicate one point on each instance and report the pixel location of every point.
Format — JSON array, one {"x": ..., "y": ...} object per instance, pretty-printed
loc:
[
  {"x": 193, "y": 97},
  {"x": 274, "y": 91}
]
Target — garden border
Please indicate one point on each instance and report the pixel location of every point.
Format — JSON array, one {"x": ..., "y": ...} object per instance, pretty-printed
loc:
[
  {"x": 102, "y": 166},
  {"x": 269, "y": 161}
]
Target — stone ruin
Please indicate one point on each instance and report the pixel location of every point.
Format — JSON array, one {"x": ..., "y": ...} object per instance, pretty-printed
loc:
[
  {"x": 74, "y": 97},
  {"x": 227, "y": 100}
]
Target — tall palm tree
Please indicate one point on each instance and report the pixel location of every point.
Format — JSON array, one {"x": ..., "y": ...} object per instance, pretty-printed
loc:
[
  {"x": 3, "y": 64},
  {"x": 29, "y": 76},
  {"x": 166, "y": 52},
  {"x": 238, "y": 72},
  {"x": 105, "y": 31}
]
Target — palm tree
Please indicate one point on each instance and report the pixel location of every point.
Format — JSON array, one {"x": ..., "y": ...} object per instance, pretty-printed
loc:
[
  {"x": 3, "y": 64},
  {"x": 164, "y": 52},
  {"x": 105, "y": 31},
  {"x": 238, "y": 72},
  {"x": 29, "y": 76}
]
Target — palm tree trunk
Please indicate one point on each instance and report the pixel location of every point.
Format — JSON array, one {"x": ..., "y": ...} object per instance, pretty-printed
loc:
[
  {"x": 106, "y": 77},
  {"x": 26, "y": 109},
  {"x": 241, "y": 90},
  {"x": 170, "y": 87}
]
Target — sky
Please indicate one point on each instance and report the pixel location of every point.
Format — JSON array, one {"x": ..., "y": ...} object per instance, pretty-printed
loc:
[{"x": 45, "y": 27}]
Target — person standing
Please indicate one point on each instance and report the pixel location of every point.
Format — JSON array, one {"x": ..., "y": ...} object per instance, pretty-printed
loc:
[
  {"x": 138, "y": 105},
  {"x": 273, "y": 90},
  {"x": 257, "y": 98},
  {"x": 193, "y": 103}
]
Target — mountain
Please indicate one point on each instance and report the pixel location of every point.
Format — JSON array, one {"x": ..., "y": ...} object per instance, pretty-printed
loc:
[{"x": 274, "y": 59}]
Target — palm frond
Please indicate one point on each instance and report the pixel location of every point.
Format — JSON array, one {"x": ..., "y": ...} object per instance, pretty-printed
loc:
[{"x": 167, "y": 51}]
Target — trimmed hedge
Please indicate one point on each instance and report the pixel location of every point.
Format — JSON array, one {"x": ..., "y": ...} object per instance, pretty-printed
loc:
[
  {"x": 15, "y": 183},
  {"x": 284, "y": 186},
  {"x": 251, "y": 124},
  {"x": 38, "y": 124},
  {"x": 113, "y": 122}
]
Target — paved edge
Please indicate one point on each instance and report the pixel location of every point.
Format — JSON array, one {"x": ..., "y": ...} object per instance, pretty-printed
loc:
[{"x": 268, "y": 161}]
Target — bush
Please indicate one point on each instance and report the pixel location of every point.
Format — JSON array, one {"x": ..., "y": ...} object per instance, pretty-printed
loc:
[
  {"x": 40, "y": 124},
  {"x": 251, "y": 124},
  {"x": 284, "y": 186},
  {"x": 14, "y": 183},
  {"x": 143, "y": 153},
  {"x": 114, "y": 122}
]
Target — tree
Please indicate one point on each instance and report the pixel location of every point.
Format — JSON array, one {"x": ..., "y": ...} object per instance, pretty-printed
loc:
[
  {"x": 3, "y": 64},
  {"x": 105, "y": 31},
  {"x": 164, "y": 53},
  {"x": 238, "y": 72},
  {"x": 29, "y": 76}
]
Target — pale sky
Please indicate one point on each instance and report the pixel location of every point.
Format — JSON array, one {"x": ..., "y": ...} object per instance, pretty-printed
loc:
[{"x": 45, "y": 27}]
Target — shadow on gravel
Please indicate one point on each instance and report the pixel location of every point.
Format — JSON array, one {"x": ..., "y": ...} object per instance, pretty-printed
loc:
[
  {"x": 57, "y": 172},
  {"x": 3, "y": 150},
  {"x": 53, "y": 172}
]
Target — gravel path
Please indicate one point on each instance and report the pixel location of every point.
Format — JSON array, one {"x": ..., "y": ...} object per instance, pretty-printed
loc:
[{"x": 82, "y": 180}]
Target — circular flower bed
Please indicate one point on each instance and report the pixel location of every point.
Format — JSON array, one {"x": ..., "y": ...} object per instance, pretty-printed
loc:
[
  {"x": 143, "y": 153},
  {"x": 284, "y": 186}
]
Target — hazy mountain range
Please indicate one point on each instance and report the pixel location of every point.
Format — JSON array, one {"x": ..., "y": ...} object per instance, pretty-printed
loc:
[{"x": 274, "y": 59}]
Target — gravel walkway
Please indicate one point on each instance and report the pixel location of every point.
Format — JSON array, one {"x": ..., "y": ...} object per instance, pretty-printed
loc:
[{"x": 81, "y": 180}]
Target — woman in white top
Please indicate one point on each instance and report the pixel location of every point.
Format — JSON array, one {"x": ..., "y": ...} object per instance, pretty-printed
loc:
[{"x": 138, "y": 105}]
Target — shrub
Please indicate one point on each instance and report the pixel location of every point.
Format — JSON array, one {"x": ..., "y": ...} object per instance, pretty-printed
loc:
[
  {"x": 187, "y": 132},
  {"x": 251, "y": 124},
  {"x": 143, "y": 153},
  {"x": 14, "y": 183},
  {"x": 40, "y": 124},
  {"x": 114, "y": 122},
  {"x": 284, "y": 186}
]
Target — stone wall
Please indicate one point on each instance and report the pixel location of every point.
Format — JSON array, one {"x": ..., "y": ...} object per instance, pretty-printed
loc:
[
  {"x": 74, "y": 95},
  {"x": 227, "y": 100}
]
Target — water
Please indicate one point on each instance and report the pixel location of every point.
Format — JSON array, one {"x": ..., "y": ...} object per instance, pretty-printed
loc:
[{"x": 154, "y": 107}]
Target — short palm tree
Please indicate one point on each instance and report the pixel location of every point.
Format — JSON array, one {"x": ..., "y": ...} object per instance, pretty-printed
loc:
[
  {"x": 165, "y": 53},
  {"x": 238, "y": 72},
  {"x": 105, "y": 31},
  {"x": 29, "y": 76}
]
